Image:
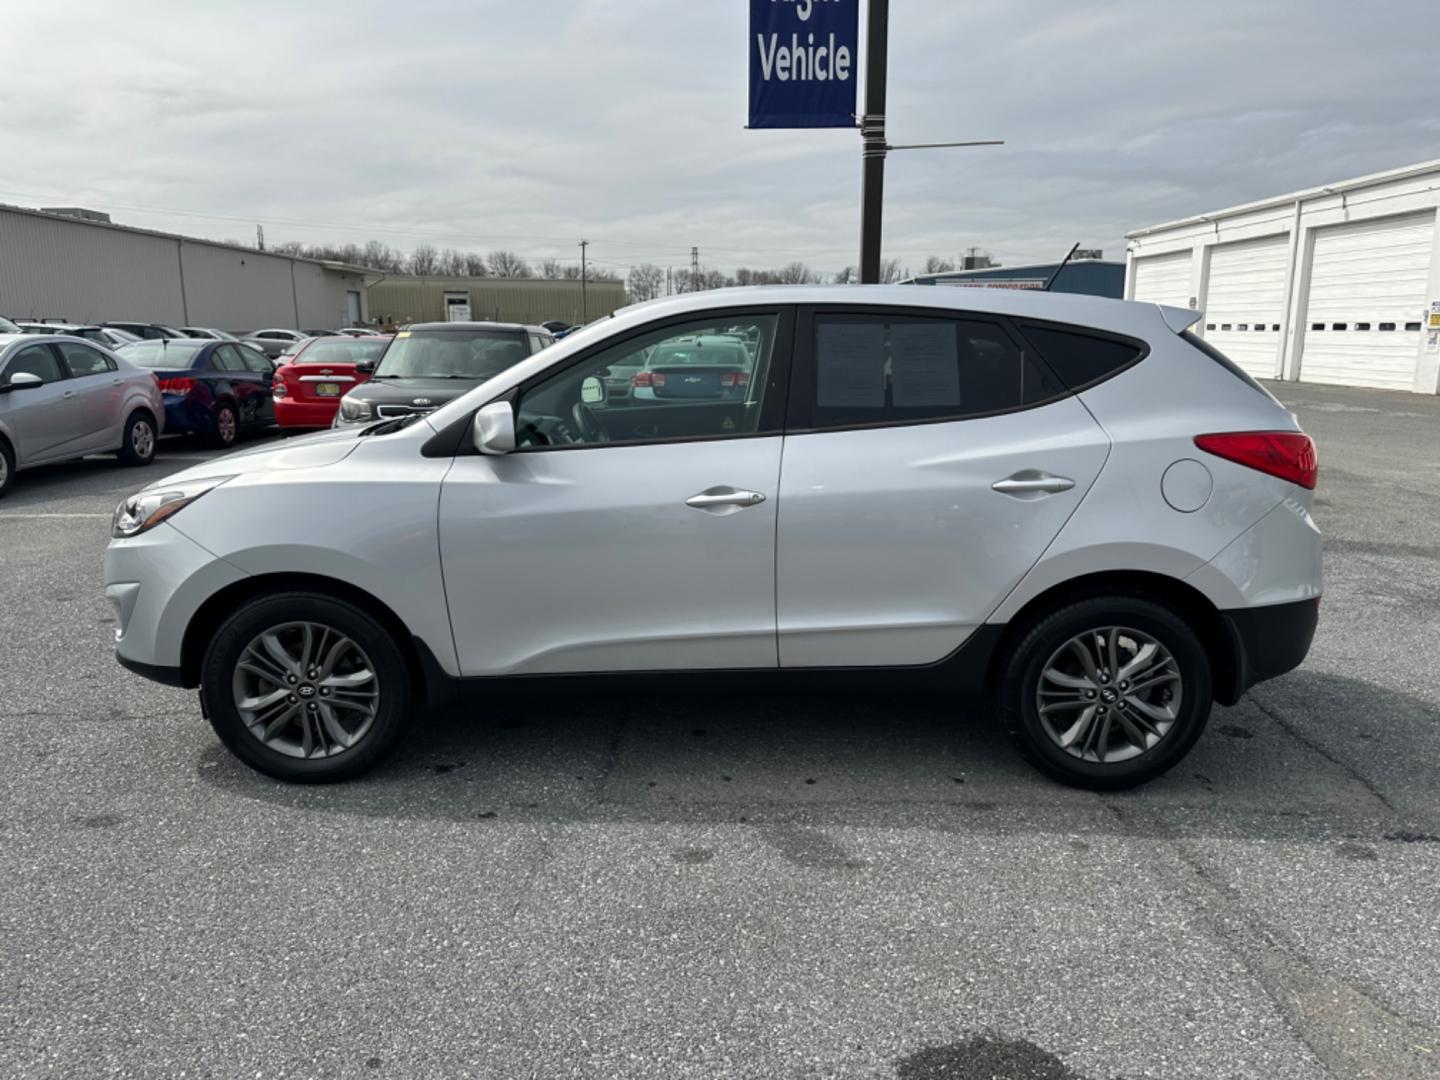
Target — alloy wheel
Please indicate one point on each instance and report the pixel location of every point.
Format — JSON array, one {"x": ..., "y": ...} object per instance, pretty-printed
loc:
[
  {"x": 306, "y": 690},
  {"x": 142, "y": 438},
  {"x": 1109, "y": 694},
  {"x": 225, "y": 423}
]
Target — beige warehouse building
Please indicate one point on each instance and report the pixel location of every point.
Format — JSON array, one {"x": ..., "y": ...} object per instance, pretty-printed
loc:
[
  {"x": 77, "y": 269},
  {"x": 404, "y": 300}
]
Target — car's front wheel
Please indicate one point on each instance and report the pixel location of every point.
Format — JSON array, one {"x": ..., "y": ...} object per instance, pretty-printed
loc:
[
  {"x": 7, "y": 467},
  {"x": 306, "y": 687},
  {"x": 1107, "y": 693}
]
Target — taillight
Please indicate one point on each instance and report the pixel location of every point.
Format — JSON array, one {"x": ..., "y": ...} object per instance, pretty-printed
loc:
[
  {"x": 278, "y": 387},
  {"x": 177, "y": 385},
  {"x": 1290, "y": 455},
  {"x": 648, "y": 378},
  {"x": 734, "y": 378}
]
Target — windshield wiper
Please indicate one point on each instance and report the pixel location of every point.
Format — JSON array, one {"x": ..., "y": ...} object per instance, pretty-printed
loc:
[{"x": 385, "y": 427}]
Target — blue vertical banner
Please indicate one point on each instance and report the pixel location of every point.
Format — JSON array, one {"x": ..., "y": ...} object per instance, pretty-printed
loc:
[{"x": 803, "y": 67}]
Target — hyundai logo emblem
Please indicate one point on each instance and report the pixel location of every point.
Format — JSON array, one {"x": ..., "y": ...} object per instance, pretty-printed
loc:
[{"x": 421, "y": 401}]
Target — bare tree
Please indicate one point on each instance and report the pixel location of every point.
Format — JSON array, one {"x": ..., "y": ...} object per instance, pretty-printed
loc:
[
  {"x": 451, "y": 263},
  {"x": 507, "y": 264},
  {"x": 934, "y": 264},
  {"x": 796, "y": 273},
  {"x": 891, "y": 272},
  {"x": 475, "y": 265},
  {"x": 848, "y": 276},
  {"x": 550, "y": 269},
  {"x": 424, "y": 259},
  {"x": 645, "y": 282}
]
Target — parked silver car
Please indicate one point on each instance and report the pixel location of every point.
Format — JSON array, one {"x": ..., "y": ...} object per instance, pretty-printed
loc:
[
  {"x": 1071, "y": 503},
  {"x": 62, "y": 397}
]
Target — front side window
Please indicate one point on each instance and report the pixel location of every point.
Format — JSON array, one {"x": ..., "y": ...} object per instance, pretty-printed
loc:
[
  {"x": 36, "y": 360},
  {"x": 451, "y": 354},
  {"x": 82, "y": 360},
  {"x": 896, "y": 369},
  {"x": 699, "y": 380}
]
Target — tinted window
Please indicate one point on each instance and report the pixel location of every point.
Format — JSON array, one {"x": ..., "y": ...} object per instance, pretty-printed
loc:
[
  {"x": 883, "y": 369},
  {"x": 451, "y": 354},
  {"x": 37, "y": 360},
  {"x": 162, "y": 355},
  {"x": 1080, "y": 359},
  {"x": 226, "y": 358},
  {"x": 342, "y": 350},
  {"x": 82, "y": 360}
]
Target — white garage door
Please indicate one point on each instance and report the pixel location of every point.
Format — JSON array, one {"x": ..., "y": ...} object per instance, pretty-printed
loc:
[
  {"x": 1367, "y": 295},
  {"x": 1245, "y": 301},
  {"x": 1164, "y": 279}
]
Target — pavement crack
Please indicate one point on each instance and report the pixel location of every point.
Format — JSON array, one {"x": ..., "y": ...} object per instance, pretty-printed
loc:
[{"x": 1295, "y": 733}]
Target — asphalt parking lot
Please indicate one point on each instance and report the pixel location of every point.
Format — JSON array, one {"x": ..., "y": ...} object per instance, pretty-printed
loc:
[{"x": 792, "y": 886}]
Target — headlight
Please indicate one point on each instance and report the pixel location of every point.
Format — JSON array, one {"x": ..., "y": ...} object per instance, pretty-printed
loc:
[
  {"x": 147, "y": 509},
  {"x": 355, "y": 409}
]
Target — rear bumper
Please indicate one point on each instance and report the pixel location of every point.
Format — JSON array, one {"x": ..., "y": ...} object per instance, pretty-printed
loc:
[
  {"x": 306, "y": 414},
  {"x": 1268, "y": 641}
]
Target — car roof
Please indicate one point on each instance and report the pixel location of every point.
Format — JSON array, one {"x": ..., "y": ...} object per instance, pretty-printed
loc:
[
  {"x": 513, "y": 327},
  {"x": 1119, "y": 316}
]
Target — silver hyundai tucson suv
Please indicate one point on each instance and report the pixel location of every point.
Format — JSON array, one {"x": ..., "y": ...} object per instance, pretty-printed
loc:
[{"x": 1070, "y": 504}]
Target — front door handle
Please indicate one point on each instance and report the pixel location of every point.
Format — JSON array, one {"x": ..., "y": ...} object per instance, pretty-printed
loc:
[
  {"x": 1032, "y": 483},
  {"x": 724, "y": 499}
]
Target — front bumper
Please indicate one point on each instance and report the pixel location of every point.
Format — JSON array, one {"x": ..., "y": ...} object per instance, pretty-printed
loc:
[
  {"x": 155, "y": 583},
  {"x": 1268, "y": 641}
]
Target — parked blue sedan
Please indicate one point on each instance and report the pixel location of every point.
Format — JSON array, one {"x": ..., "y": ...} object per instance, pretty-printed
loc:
[{"x": 212, "y": 388}]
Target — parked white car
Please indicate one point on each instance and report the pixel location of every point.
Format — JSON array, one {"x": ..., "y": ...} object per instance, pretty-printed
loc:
[
  {"x": 1065, "y": 501},
  {"x": 62, "y": 397}
]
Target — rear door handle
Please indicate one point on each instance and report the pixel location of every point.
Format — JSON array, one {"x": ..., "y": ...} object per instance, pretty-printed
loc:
[
  {"x": 724, "y": 499},
  {"x": 68, "y": 393},
  {"x": 1032, "y": 483}
]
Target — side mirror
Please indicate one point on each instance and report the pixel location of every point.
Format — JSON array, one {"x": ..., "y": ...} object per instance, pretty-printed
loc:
[
  {"x": 365, "y": 367},
  {"x": 494, "y": 430},
  {"x": 592, "y": 391},
  {"x": 23, "y": 380}
]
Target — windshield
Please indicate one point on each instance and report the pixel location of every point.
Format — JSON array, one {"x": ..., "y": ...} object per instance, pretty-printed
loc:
[
  {"x": 340, "y": 350},
  {"x": 164, "y": 353},
  {"x": 453, "y": 354}
]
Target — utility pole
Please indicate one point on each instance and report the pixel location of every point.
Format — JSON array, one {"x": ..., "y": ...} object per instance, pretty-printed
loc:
[
  {"x": 873, "y": 144},
  {"x": 694, "y": 269},
  {"x": 260, "y": 237},
  {"x": 584, "y": 302},
  {"x": 669, "y": 280},
  {"x": 872, "y": 135}
]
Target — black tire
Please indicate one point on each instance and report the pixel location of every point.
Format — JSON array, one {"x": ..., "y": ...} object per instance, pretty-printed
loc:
[
  {"x": 218, "y": 681},
  {"x": 1022, "y": 683},
  {"x": 140, "y": 439},
  {"x": 225, "y": 425},
  {"x": 7, "y": 467}
]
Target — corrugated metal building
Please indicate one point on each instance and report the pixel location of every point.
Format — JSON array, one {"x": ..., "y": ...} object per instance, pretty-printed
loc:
[
  {"x": 1092, "y": 277},
  {"x": 1334, "y": 284},
  {"x": 54, "y": 267},
  {"x": 523, "y": 300}
]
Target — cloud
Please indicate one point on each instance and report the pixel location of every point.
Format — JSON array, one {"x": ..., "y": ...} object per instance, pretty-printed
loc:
[{"x": 531, "y": 125}]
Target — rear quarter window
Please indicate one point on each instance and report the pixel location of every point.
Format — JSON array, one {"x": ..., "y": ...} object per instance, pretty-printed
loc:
[{"x": 1080, "y": 359}]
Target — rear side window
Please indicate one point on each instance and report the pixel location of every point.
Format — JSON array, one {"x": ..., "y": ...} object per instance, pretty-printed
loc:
[
  {"x": 1080, "y": 359},
  {"x": 884, "y": 369}
]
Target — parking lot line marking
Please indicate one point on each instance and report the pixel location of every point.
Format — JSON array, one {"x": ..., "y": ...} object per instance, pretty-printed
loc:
[{"x": 24, "y": 516}]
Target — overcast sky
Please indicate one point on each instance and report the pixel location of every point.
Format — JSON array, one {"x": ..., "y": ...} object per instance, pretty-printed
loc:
[{"x": 528, "y": 125}]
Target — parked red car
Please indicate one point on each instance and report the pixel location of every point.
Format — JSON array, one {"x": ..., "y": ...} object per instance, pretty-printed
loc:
[{"x": 309, "y": 385}]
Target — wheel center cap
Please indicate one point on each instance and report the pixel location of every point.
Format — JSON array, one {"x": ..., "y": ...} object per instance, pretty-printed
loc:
[
  {"x": 305, "y": 690},
  {"x": 1107, "y": 695}
]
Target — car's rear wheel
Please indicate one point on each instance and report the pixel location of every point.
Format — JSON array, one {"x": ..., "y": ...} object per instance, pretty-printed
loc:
[
  {"x": 226, "y": 425},
  {"x": 7, "y": 466},
  {"x": 306, "y": 687},
  {"x": 1108, "y": 692},
  {"x": 139, "y": 441}
]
